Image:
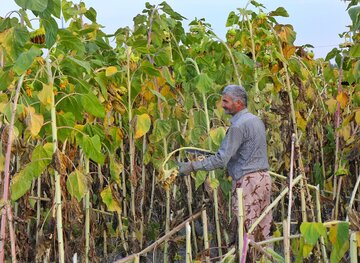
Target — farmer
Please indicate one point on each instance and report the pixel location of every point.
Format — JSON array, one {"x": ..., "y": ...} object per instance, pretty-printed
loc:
[{"x": 243, "y": 152}]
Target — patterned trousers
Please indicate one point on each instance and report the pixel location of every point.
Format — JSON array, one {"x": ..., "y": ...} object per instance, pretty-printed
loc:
[{"x": 256, "y": 197}]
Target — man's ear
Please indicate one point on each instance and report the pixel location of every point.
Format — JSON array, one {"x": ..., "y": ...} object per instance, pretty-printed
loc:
[{"x": 240, "y": 105}]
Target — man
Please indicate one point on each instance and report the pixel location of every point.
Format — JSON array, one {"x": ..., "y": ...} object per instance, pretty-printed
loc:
[{"x": 243, "y": 152}]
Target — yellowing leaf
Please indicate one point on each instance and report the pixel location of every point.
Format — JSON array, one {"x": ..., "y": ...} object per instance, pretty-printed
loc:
[
  {"x": 110, "y": 201},
  {"x": 307, "y": 250},
  {"x": 345, "y": 132},
  {"x": 2, "y": 162},
  {"x": 300, "y": 121},
  {"x": 217, "y": 135},
  {"x": 357, "y": 117},
  {"x": 358, "y": 238},
  {"x": 34, "y": 121},
  {"x": 110, "y": 71},
  {"x": 331, "y": 103},
  {"x": 46, "y": 95},
  {"x": 342, "y": 98},
  {"x": 143, "y": 124},
  {"x": 76, "y": 184},
  {"x": 288, "y": 51}
]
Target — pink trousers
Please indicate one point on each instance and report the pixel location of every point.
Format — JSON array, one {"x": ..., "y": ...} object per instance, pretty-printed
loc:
[{"x": 256, "y": 197}]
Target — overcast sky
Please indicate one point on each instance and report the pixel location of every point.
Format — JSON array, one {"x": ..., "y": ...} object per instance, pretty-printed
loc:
[{"x": 317, "y": 22}]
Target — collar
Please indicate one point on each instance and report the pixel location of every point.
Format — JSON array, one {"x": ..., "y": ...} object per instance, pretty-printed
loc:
[{"x": 238, "y": 115}]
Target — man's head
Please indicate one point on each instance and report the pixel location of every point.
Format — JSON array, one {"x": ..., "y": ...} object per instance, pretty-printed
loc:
[{"x": 234, "y": 99}]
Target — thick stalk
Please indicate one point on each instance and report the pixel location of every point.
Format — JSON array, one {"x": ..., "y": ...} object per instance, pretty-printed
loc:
[
  {"x": 253, "y": 51},
  {"x": 6, "y": 212},
  {"x": 206, "y": 236},
  {"x": 38, "y": 210},
  {"x": 353, "y": 248},
  {"x": 240, "y": 219},
  {"x": 87, "y": 214},
  {"x": 319, "y": 219},
  {"x": 188, "y": 243},
  {"x": 143, "y": 191},
  {"x": 353, "y": 194},
  {"x": 101, "y": 181},
  {"x": 123, "y": 173},
  {"x": 287, "y": 223},
  {"x": 337, "y": 187},
  {"x": 152, "y": 195},
  {"x": 58, "y": 204},
  {"x": 190, "y": 199},
  {"x": 131, "y": 143}
]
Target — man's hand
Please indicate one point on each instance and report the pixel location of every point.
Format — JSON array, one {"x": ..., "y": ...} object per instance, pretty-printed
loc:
[{"x": 185, "y": 168}]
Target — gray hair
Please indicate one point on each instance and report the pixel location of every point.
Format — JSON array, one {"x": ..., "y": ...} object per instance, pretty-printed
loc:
[{"x": 237, "y": 92}]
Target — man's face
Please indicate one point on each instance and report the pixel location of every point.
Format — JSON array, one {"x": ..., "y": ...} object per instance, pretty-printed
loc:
[{"x": 230, "y": 105}]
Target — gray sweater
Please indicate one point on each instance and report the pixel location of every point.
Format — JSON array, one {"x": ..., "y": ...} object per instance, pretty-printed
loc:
[{"x": 243, "y": 149}]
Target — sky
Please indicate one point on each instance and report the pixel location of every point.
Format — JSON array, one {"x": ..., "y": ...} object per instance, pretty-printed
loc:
[{"x": 316, "y": 22}]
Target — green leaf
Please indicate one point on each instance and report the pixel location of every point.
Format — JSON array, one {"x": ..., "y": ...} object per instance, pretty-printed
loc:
[
  {"x": 280, "y": 11},
  {"x": 232, "y": 19},
  {"x": 70, "y": 42},
  {"x": 161, "y": 129},
  {"x": 354, "y": 14},
  {"x": 116, "y": 169},
  {"x": 21, "y": 182},
  {"x": 5, "y": 80},
  {"x": 200, "y": 178},
  {"x": 149, "y": 69},
  {"x": 168, "y": 77},
  {"x": 67, "y": 120},
  {"x": 25, "y": 60},
  {"x": 244, "y": 59},
  {"x": 72, "y": 104},
  {"x": 102, "y": 81},
  {"x": 76, "y": 184},
  {"x": 82, "y": 63},
  {"x": 312, "y": 231},
  {"x": 33, "y": 5},
  {"x": 92, "y": 148},
  {"x": 92, "y": 105},
  {"x": 107, "y": 197},
  {"x": 355, "y": 51},
  {"x": 91, "y": 14},
  {"x": 339, "y": 237},
  {"x": 51, "y": 30},
  {"x": 143, "y": 124},
  {"x": 162, "y": 58},
  {"x": 158, "y": 94},
  {"x": 168, "y": 10},
  {"x": 203, "y": 83}
]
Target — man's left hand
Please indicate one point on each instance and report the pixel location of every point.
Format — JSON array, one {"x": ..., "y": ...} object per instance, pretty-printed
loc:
[{"x": 185, "y": 168}]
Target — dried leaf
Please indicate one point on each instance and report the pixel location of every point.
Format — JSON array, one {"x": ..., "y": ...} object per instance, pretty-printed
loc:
[
  {"x": 33, "y": 120},
  {"x": 331, "y": 103},
  {"x": 300, "y": 121},
  {"x": 342, "y": 98},
  {"x": 357, "y": 117},
  {"x": 110, "y": 71},
  {"x": 45, "y": 95}
]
